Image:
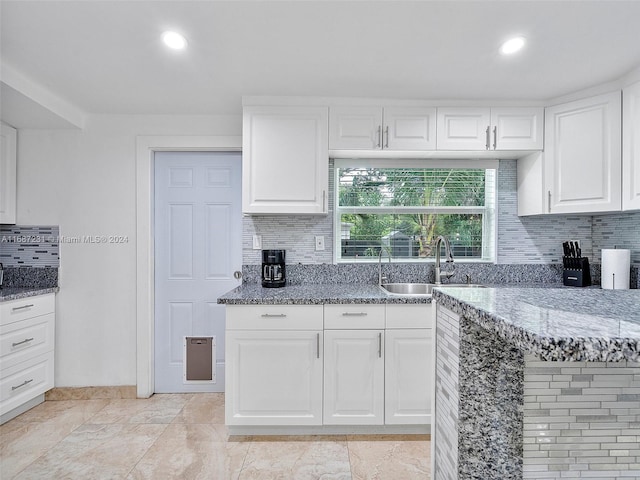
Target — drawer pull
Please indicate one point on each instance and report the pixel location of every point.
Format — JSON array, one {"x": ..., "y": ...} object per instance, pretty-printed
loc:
[
  {"x": 26, "y": 340},
  {"x": 273, "y": 315},
  {"x": 380, "y": 345},
  {"x": 354, "y": 314},
  {"x": 22, "y": 307},
  {"x": 26, "y": 382},
  {"x": 317, "y": 345}
]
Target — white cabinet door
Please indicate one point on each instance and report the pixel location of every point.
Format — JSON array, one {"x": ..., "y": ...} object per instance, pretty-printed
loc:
[
  {"x": 515, "y": 128},
  {"x": 408, "y": 376},
  {"x": 631, "y": 148},
  {"x": 273, "y": 377},
  {"x": 285, "y": 160},
  {"x": 8, "y": 139},
  {"x": 583, "y": 155},
  {"x": 378, "y": 128},
  {"x": 355, "y": 128},
  {"x": 354, "y": 377},
  {"x": 508, "y": 128},
  {"x": 463, "y": 128},
  {"x": 409, "y": 128}
]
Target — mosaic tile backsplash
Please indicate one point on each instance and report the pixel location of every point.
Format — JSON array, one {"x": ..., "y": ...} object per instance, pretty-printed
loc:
[
  {"x": 521, "y": 240},
  {"x": 29, "y": 246}
]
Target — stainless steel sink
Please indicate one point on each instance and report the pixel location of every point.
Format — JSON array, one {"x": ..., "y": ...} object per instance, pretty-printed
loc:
[
  {"x": 461, "y": 285},
  {"x": 408, "y": 289},
  {"x": 420, "y": 289}
]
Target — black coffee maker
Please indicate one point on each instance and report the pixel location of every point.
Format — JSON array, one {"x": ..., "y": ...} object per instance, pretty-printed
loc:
[{"x": 273, "y": 270}]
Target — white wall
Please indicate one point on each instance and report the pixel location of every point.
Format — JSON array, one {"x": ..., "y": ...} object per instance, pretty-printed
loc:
[{"x": 84, "y": 181}]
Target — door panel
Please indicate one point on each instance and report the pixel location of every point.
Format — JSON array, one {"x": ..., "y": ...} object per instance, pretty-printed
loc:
[
  {"x": 198, "y": 246},
  {"x": 354, "y": 377}
]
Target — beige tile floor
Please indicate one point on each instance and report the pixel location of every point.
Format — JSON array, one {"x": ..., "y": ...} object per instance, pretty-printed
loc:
[{"x": 183, "y": 436}]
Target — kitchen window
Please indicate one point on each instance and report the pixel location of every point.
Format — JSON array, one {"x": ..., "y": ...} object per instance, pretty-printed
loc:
[{"x": 401, "y": 206}]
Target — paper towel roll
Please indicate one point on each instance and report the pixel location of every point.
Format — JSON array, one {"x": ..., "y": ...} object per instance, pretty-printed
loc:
[{"x": 616, "y": 267}]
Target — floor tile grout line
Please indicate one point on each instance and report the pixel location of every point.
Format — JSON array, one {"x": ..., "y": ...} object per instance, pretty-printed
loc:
[
  {"x": 166, "y": 425},
  {"x": 48, "y": 449}
]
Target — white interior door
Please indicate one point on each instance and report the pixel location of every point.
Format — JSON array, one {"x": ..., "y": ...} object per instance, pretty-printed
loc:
[{"x": 198, "y": 247}]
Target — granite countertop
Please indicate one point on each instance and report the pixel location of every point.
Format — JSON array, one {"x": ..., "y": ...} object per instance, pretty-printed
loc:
[
  {"x": 555, "y": 323},
  {"x": 312, "y": 294},
  {"x": 16, "y": 293}
]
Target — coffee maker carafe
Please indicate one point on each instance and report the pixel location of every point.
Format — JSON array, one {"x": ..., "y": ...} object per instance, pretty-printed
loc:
[{"x": 273, "y": 270}]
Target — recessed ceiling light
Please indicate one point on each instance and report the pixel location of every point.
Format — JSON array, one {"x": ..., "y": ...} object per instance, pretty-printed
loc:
[
  {"x": 512, "y": 45},
  {"x": 174, "y": 40}
]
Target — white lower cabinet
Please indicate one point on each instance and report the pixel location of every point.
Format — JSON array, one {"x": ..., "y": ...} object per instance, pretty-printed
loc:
[
  {"x": 274, "y": 365},
  {"x": 333, "y": 365},
  {"x": 27, "y": 332},
  {"x": 354, "y": 377},
  {"x": 408, "y": 380}
]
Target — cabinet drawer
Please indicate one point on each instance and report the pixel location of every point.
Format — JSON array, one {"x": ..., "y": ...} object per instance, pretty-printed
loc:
[
  {"x": 16, "y": 310},
  {"x": 25, "y": 381},
  {"x": 274, "y": 317},
  {"x": 354, "y": 316},
  {"x": 418, "y": 315},
  {"x": 20, "y": 341}
]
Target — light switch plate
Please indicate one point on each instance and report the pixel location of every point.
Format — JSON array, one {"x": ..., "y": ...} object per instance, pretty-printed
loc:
[
  {"x": 257, "y": 242},
  {"x": 319, "y": 243}
]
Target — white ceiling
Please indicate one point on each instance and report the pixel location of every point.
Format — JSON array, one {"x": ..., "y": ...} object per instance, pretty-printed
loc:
[{"x": 106, "y": 56}]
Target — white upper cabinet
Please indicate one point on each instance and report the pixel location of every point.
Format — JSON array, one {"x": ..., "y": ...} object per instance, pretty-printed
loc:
[
  {"x": 506, "y": 128},
  {"x": 631, "y": 148},
  {"x": 285, "y": 160},
  {"x": 515, "y": 128},
  {"x": 463, "y": 128},
  {"x": 8, "y": 139},
  {"x": 582, "y": 160},
  {"x": 378, "y": 128}
]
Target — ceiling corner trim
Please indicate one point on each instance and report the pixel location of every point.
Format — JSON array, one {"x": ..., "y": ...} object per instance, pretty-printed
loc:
[{"x": 42, "y": 96}]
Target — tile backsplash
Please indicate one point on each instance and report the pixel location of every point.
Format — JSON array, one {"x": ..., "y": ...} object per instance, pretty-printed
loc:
[
  {"x": 618, "y": 230},
  {"x": 521, "y": 240},
  {"x": 29, "y": 246}
]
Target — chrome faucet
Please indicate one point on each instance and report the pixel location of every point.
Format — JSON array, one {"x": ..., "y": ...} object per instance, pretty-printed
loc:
[
  {"x": 380, "y": 277},
  {"x": 447, "y": 247}
]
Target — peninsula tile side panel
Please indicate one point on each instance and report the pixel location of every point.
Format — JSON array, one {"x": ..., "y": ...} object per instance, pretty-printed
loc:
[
  {"x": 446, "y": 401},
  {"x": 581, "y": 419}
]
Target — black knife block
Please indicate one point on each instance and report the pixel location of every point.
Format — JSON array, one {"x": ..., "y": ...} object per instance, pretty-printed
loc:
[{"x": 576, "y": 272}]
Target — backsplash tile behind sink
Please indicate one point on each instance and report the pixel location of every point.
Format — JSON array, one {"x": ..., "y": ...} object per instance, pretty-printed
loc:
[{"x": 521, "y": 240}]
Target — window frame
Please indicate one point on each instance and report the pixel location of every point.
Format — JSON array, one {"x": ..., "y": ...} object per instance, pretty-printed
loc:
[{"x": 489, "y": 250}]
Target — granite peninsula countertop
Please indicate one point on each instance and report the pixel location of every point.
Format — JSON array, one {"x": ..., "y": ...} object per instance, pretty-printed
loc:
[
  {"x": 312, "y": 294},
  {"x": 584, "y": 324},
  {"x": 16, "y": 293}
]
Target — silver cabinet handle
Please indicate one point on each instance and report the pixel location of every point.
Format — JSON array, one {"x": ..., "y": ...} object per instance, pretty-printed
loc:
[
  {"x": 26, "y": 340},
  {"x": 386, "y": 143},
  {"x": 495, "y": 137},
  {"x": 317, "y": 345},
  {"x": 379, "y": 133},
  {"x": 354, "y": 314},
  {"x": 487, "y": 135},
  {"x": 549, "y": 201},
  {"x": 26, "y": 382},
  {"x": 380, "y": 345},
  {"x": 324, "y": 201},
  {"x": 273, "y": 315},
  {"x": 22, "y": 307}
]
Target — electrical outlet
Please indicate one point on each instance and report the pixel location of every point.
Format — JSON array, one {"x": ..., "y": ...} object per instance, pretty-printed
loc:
[
  {"x": 257, "y": 242},
  {"x": 319, "y": 243}
]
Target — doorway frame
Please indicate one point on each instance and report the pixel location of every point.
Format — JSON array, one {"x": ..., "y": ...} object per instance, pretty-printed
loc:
[{"x": 146, "y": 147}]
